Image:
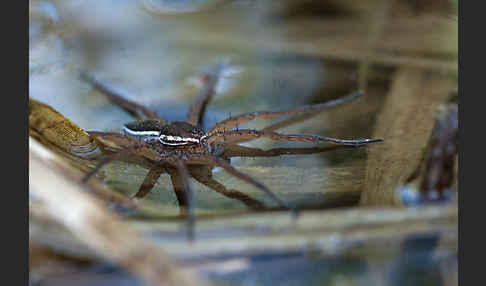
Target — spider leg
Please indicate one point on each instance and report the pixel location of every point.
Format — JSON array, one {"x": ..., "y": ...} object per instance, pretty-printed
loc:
[
  {"x": 198, "y": 108},
  {"x": 135, "y": 109},
  {"x": 231, "y": 122},
  {"x": 178, "y": 186},
  {"x": 243, "y": 151},
  {"x": 203, "y": 175},
  {"x": 119, "y": 141},
  {"x": 290, "y": 121},
  {"x": 114, "y": 157},
  {"x": 150, "y": 179},
  {"x": 245, "y": 134},
  {"x": 140, "y": 149},
  {"x": 217, "y": 162},
  {"x": 114, "y": 139},
  {"x": 182, "y": 188}
]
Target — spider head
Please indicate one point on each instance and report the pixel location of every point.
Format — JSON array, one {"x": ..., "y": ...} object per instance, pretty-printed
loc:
[{"x": 180, "y": 133}]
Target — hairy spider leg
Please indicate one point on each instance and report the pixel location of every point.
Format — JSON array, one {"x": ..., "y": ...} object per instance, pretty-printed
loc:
[
  {"x": 195, "y": 114},
  {"x": 135, "y": 109},
  {"x": 217, "y": 162},
  {"x": 184, "y": 193},
  {"x": 231, "y": 122},
  {"x": 104, "y": 161},
  {"x": 179, "y": 178},
  {"x": 149, "y": 182},
  {"x": 108, "y": 138},
  {"x": 178, "y": 190},
  {"x": 200, "y": 173},
  {"x": 245, "y": 134},
  {"x": 243, "y": 151},
  {"x": 203, "y": 175},
  {"x": 290, "y": 121},
  {"x": 140, "y": 149}
]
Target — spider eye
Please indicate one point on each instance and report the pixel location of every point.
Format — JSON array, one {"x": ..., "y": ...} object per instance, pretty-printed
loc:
[{"x": 195, "y": 131}]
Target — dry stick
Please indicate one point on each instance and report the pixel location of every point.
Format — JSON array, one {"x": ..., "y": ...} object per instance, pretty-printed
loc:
[
  {"x": 335, "y": 46},
  {"x": 409, "y": 34},
  {"x": 97, "y": 227},
  {"x": 273, "y": 232},
  {"x": 405, "y": 123},
  {"x": 380, "y": 17},
  {"x": 164, "y": 9},
  {"x": 316, "y": 230}
]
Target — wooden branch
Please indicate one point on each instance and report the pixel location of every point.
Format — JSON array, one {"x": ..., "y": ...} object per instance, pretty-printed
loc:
[
  {"x": 329, "y": 232},
  {"x": 405, "y": 123}
]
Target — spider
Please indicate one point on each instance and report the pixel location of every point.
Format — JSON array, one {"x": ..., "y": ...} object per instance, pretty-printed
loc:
[{"x": 185, "y": 148}]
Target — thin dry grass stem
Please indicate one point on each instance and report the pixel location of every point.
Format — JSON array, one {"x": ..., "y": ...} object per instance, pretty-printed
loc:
[
  {"x": 402, "y": 35},
  {"x": 434, "y": 47},
  {"x": 405, "y": 123},
  {"x": 85, "y": 216},
  {"x": 314, "y": 230},
  {"x": 380, "y": 17},
  {"x": 275, "y": 232}
]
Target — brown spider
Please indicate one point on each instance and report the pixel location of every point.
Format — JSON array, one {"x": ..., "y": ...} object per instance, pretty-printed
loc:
[{"x": 184, "y": 149}]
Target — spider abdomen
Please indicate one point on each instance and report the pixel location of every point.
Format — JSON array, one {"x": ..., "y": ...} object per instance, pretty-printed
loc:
[{"x": 174, "y": 140}]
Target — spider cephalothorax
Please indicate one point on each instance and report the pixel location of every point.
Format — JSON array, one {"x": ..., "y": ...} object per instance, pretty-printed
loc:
[
  {"x": 177, "y": 133},
  {"x": 184, "y": 149}
]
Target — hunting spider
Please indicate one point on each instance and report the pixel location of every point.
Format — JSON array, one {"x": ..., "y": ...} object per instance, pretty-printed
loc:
[{"x": 184, "y": 149}]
